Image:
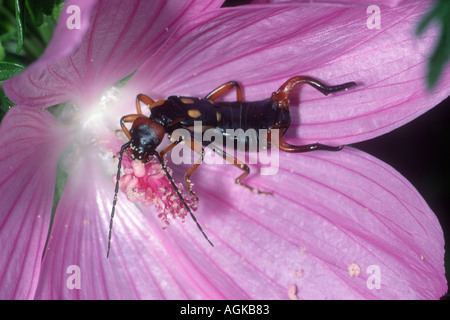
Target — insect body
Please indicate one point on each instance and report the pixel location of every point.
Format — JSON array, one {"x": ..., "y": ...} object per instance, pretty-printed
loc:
[
  {"x": 176, "y": 112},
  {"x": 222, "y": 117}
]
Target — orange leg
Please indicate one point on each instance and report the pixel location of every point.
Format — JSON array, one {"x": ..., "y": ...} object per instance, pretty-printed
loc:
[
  {"x": 239, "y": 164},
  {"x": 129, "y": 119},
  {"x": 236, "y": 162},
  {"x": 170, "y": 147},
  {"x": 195, "y": 147},
  {"x": 145, "y": 99},
  {"x": 187, "y": 177},
  {"x": 213, "y": 95}
]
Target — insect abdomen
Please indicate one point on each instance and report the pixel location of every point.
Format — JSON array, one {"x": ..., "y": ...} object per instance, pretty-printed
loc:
[
  {"x": 240, "y": 122},
  {"x": 243, "y": 115}
]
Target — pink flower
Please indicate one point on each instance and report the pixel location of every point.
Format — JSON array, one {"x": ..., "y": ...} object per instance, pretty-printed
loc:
[
  {"x": 147, "y": 184},
  {"x": 340, "y": 225}
]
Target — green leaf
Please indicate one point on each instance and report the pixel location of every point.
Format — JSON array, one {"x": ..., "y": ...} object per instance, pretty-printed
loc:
[
  {"x": 38, "y": 8},
  {"x": 57, "y": 10},
  {"x": 441, "y": 54},
  {"x": 9, "y": 69},
  {"x": 34, "y": 12},
  {"x": 2, "y": 51},
  {"x": 48, "y": 5},
  {"x": 18, "y": 4},
  {"x": 439, "y": 58},
  {"x": 122, "y": 82},
  {"x": 61, "y": 179},
  {"x": 5, "y": 104},
  {"x": 47, "y": 28}
]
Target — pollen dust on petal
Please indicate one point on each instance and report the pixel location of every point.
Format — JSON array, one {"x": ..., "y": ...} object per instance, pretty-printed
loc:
[
  {"x": 299, "y": 273},
  {"x": 302, "y": 250},
  {"x": 354, "y": 270},
  {"x": 292, "y": 292},
  {"x": 147, "y": 184}
]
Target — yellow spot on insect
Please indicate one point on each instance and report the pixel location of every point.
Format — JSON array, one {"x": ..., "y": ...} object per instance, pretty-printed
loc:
[
  {"x": 204, "y": 128},
  {"x": 187, "y": 101},
  {"x": 218, "y": 116},
  {"x": 354, "y": 270},
  {"x": 292, "y": 292},
  {"x": 194, "y": 113}
]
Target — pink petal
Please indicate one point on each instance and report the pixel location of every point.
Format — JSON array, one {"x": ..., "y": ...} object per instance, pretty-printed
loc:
[
  {"x": 332, "y": 217},
  {"x": 66, "y": 40},
  {"x": 391, "y": 3},
  {"x": 263, "y": 46},
  {"x": 139, "y": 266},
  {"x": 331, "y": 214},
  {"x": 117, "y": 37},
  {"x": 28, "y": 164}
]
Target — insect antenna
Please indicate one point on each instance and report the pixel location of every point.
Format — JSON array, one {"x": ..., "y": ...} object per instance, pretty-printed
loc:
[
  {"x": 116, "y": 191},
  {"x": 163, "y": 166}
]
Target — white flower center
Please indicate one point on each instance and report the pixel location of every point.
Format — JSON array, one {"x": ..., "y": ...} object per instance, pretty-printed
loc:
[{"x": 92, "y": 128}]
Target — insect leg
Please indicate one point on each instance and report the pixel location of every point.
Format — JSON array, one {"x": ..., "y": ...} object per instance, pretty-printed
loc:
[
  {"x": 213, "y": 95},
  {"x": 170, "y": 147},
  {"x": 145, "y": 99},
  {"x": 195, "y": 147},
  {"x": 236, "y": 162},
  {"x": 199, "y": 149},
  {"x": 127, "y": 119},
  {"x": 239, "y": 164},
  {"x": 281, "y": 96}
]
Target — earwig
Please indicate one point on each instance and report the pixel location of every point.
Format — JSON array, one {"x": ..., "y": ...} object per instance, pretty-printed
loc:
[{"x": 176, "y": 112}]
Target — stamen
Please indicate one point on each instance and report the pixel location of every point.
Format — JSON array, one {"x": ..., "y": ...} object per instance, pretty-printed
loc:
[{"x": 147, "y": 184}]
